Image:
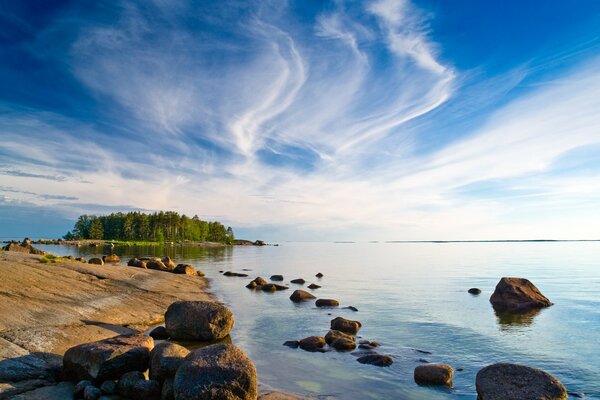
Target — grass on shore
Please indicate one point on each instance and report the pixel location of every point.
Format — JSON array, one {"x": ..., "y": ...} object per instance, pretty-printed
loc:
[{"x": 51, "y": 258}]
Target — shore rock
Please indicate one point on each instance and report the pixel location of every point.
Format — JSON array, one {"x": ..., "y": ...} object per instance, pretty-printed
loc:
[
  {"x": 314, "y": 286},
  {"x": 231, "y": 273},
  {"x": 474, "y": 291},
  {"x": 376, "y": 359},
  {"x": 434, "y": 374},
  {"x": 134, "y": 262},
  {"x": 272, "y": 287},
  {"x": 80, "y": 387},
  {"x": 276, "y": 278},
  {"x": 91, "y": 393},
  {"x": 156, "y": 264},
  {"x": 96, "y": 261},
  {"x": 216, "y": 372},
  {"x": 23, "y": 247},
  {"x": 159, "y": 333},
  {"x": 505, "y": 381},
  {"x": 112, "y": 258},
  {"x": 327, "y": 303},
  {"x": 127, "y": 383},
  {"x": 168, "y": 263},
  {"x": 256, "y": 282},
  {"x": 312, "y": 344},
  {"x": 340, "y": 341},
  {"x": 198, "y": 320},
  {"x": 109, "y": 358},
  {"x": 517, "y": 294},
  {"x": 345, "y": 325},
  {"x": 299, "y": 281},
  {"x": 185, "y": 269},
  {"x": 146, "y": 390},
  {"x": 301, "y": 295},
  {"x": 165, "y": 358}
]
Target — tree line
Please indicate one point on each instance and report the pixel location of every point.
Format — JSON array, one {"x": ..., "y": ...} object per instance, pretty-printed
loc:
[{"x": 157, "y": 227}]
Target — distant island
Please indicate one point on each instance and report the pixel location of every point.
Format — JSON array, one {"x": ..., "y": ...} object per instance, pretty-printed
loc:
[{"x": 156, "y": 227}]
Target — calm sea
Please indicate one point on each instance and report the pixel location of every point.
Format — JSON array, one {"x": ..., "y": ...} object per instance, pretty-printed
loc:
[{"x": 411, "y": 297}]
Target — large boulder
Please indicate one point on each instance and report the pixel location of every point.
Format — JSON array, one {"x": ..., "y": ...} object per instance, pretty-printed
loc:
[
  {"x": 198, "y": 320},
  {"x": 23, "y": 247},
  {"x": 216, "y": 372},
  {"x": 340, "y": 340},
  {"x": 345, "y": 325},
  {"x": 134, "y": 262},
  {"x": 108, "y": 359},
  {"x": 165, "y": 358},
  {"x": 517, "y": 294},
  {"x": 434, "y": 374},
  {"x": 505, "y": 381},
  {"x": 300, "y": 296},
  {"x": 276, "y": 277}
]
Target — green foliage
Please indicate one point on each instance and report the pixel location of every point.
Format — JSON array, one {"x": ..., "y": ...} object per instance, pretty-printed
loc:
[
  {"x": 157, "y": 227},
  {"x": 51, "y": 258}
]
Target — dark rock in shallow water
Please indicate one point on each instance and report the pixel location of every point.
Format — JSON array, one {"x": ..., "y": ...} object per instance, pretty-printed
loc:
[
  {"x": 185, "y": 269},
  {"x": 256, "y": 282},
  {"x": 112, "y": 258},
  {"x": 434, "y": 374},
  {"x": 345, "y": 325},
  {"x": 292, "y": 343},
  {"x": 319, "y": 275},
  {"x": 474, "y": 291},
  {"x": 165, "y": 358},
  {"x": 198, "y": 320},
  {"x": 231, "y": 273},
  {"x": 312, "y": 344},
  {"x": 340, "y": 341},
  {"x": 159, "y": 333},
  {"x": 251, "y": 285},
  {"x": 376, "y": 359},
  {"x": 134, "y": 262},
  {"x": 517, "y": 294},
  {"x": 300, "y": 296},
  {"x": 313, "y": 286},
  {"x": 504, "y": 381},
  {"x": 96, "y": 261},
  {"x": 299, "y": 281},
  {"x": 276, "y": 277},
  {"x": 327, "y": 303},
  {"x": 156, "y": 264},
  {"x": 351, "y": 308},
  {"x": 272, "y": 287},
  {"x": 109, "y": 358},
  {"x": 214, "y": 373}
]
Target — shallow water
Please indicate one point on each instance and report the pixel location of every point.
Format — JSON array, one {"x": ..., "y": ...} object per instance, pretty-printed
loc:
[{"x": 410, "y": 296}]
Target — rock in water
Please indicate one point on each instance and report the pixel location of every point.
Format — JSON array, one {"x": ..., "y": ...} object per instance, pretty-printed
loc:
[
  {"x": 312, "y": 344},
  {"x": 474, "y": 291},
  {"x": 340, "y": 341},
  {"x": 109, "y": 358},
  {"x": 319, "y": 275},
  {"x": 376, "y": 359},
  {"x": 168, "y": 263},
  {"x": 313, "y": 286},
  {"x": 165, "y": 358},
  {"x": 345, "y": 325},
  {"x": 272, "y": 287},
  {"x": 276, "y": 277},
  {"x": 434, "y": 374},
  {"x": 185, "y": 269},
  {"x": 299, "y": 281},
  {"x": 327, "y": 303},
  {"x": 505, "y": 381},
  {"x": 113, "y": 259},
  {"x": 216, "y": 372},
  {"x": 156, "y": 264},
  {"x": 24, "y": 247},
  {"x": 517, "y": 294},
  {"x": 198, "y": 320},
  {"x": 96, "y": 260},
  {"x": 300, "y": 296}
]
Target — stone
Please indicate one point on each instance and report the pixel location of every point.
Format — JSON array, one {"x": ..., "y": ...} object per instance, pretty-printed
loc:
[
  {"x": 23, "y": 247},
  {"x": 237, "y": 274},
  {"x": 80, "y": 387},
  {"x": 352, "y": 308},
  {"x": 216, "y": 372},
  {"x": 517, "y": 294},
  {"x": 109, "y": 387},
  {"x": 96, "y": 261},
  {"x": 272, "y": 287},
  {"x": 340, "y": 340},
  {"x": 327, "y": 303},
  {"x": 299, "y": 281},
  {"x": 156, "y": 264},
  {"x": 109, "y": 358},
  {"x": 345, "y": 325},
  {"x": 127, "y": 383},
  {"x": 146, "y": 390},
  {"x": 159, "y": 333},
  {"x": 134, "y": 262},
  {"x": 434, "y": 374},
  {"x": 165, "y": 358},
  {"x": 314, "y": 286},
  {"x": 91, "y": 393},
  {"x": 292, "y": 343},
  {"x": 112, "y": 258},
  {"x": 319, "y": 275},
  {"x": 474, "y": 291},
  {"x": 185, "y": 269},
  {"x": 504, "y": 381},
  {"x": 376, "y": 359},
  {"x": 168, "y": 263},
  {"x": 312, "y": 344},
  {"x": 260, "y": 281},
  {"x": 198, "y": 320},
  {"x": 251, "y": 285},
  {"x": 276, "y": 277},
  {"x": 300, "y": 296},
  {"x": 199, "y": 273},
  {"x": 167, "y": 392}
]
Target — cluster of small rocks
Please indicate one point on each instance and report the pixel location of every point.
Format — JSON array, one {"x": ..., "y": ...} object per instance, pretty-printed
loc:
[{"x": 165, "y": 264}]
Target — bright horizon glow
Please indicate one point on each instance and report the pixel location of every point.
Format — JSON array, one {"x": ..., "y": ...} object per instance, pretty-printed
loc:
[{"x": 376, "y": 120}]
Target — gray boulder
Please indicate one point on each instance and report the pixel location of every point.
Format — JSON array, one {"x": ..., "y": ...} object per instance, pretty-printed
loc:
[
  {"x": 165, "y": 358},
  {"x": 198, "y": 320}
]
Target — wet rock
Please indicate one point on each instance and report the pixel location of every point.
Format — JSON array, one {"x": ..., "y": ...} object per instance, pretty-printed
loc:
[
  {"x": 80, "y": 387},
  {"x": 165, "y": 358},
  {"x": 258, "y": 281},
  {"x": 168, "y": 263},
  {"x": 379, "y": 360},
  {"x": 352, "y": 308},
  {"x": 159, "y": 333},
  {"x": 474, "y": 291},
  {"x": 517, "y": 382},
  {"x": 517, "y": 294},
  {"x": 23, "y": 247},
  {"x": 126, "y": 385},
  {"x": 231, "y": 273},
  {"x": 156, "y": 264},
  {"x": 272, "y": 287},
  {"x": 319, "y": 275},
  {"x": 276, "y": 277},
  {"x": 327, "y": 303},
  {"x": 199, "y": 273},
  {"x": 185, "y": 269},
  {"x": 292, "y": 343},
  {"x": 91, "y": 393},
  {"x": 312, "y": 344},
  {"x": 108, "y": 387},
  {"x": 216, "y": 372},
  {"x": 299, "y": 281},
  {"x": 314, "y": 286},
  {"x": 300, "y": 296},
  {"x": 96, "y": 261},
  {"x": 167, "y": 392},
  {"x": 146, "y": 390},
  {"x": 109, "y": 358},
  {"x": 198, "y": 320},
  {"x": 340, "y": 340},
  {"x": 434, "y": 374},
  {"x": 112, "y": 259},
  {"x": 345, "y": 325}
]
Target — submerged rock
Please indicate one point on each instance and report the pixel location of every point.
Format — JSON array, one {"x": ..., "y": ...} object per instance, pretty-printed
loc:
[
  {"x": 276, "y": 277},
  {"x": 314, "y": 286},
  {"x": 327, "y": 303},
  {"x": 300, "y": 296},
  {"x": 198, "y": 320},
  {"x": 214, "y": 373},
  {"x": 345, "y": 325},
  {"x": 237, "y": 274},
  {"x": 434, "y": 374},
  {"x": 256, "y": 282},
  {"x": 379, "y": 360},
  {"x": 299, "y": 281},
  {"x": 474, "y": 291},
  {"x": 312, "y": 344},
  {"x": 352, "y": 308},
  {"x": 517, "y": 294},
  {"x": 340, "y": 340},
  {"x": 319, "y": 275},
  {"x": 504, "y": 381}
]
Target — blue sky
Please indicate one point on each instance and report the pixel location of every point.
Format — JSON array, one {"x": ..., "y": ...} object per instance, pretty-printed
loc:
[{"x": 304, "y": 120}]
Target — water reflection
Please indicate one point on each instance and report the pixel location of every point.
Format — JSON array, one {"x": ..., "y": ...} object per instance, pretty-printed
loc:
[{"x": 511, "y": 320}]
